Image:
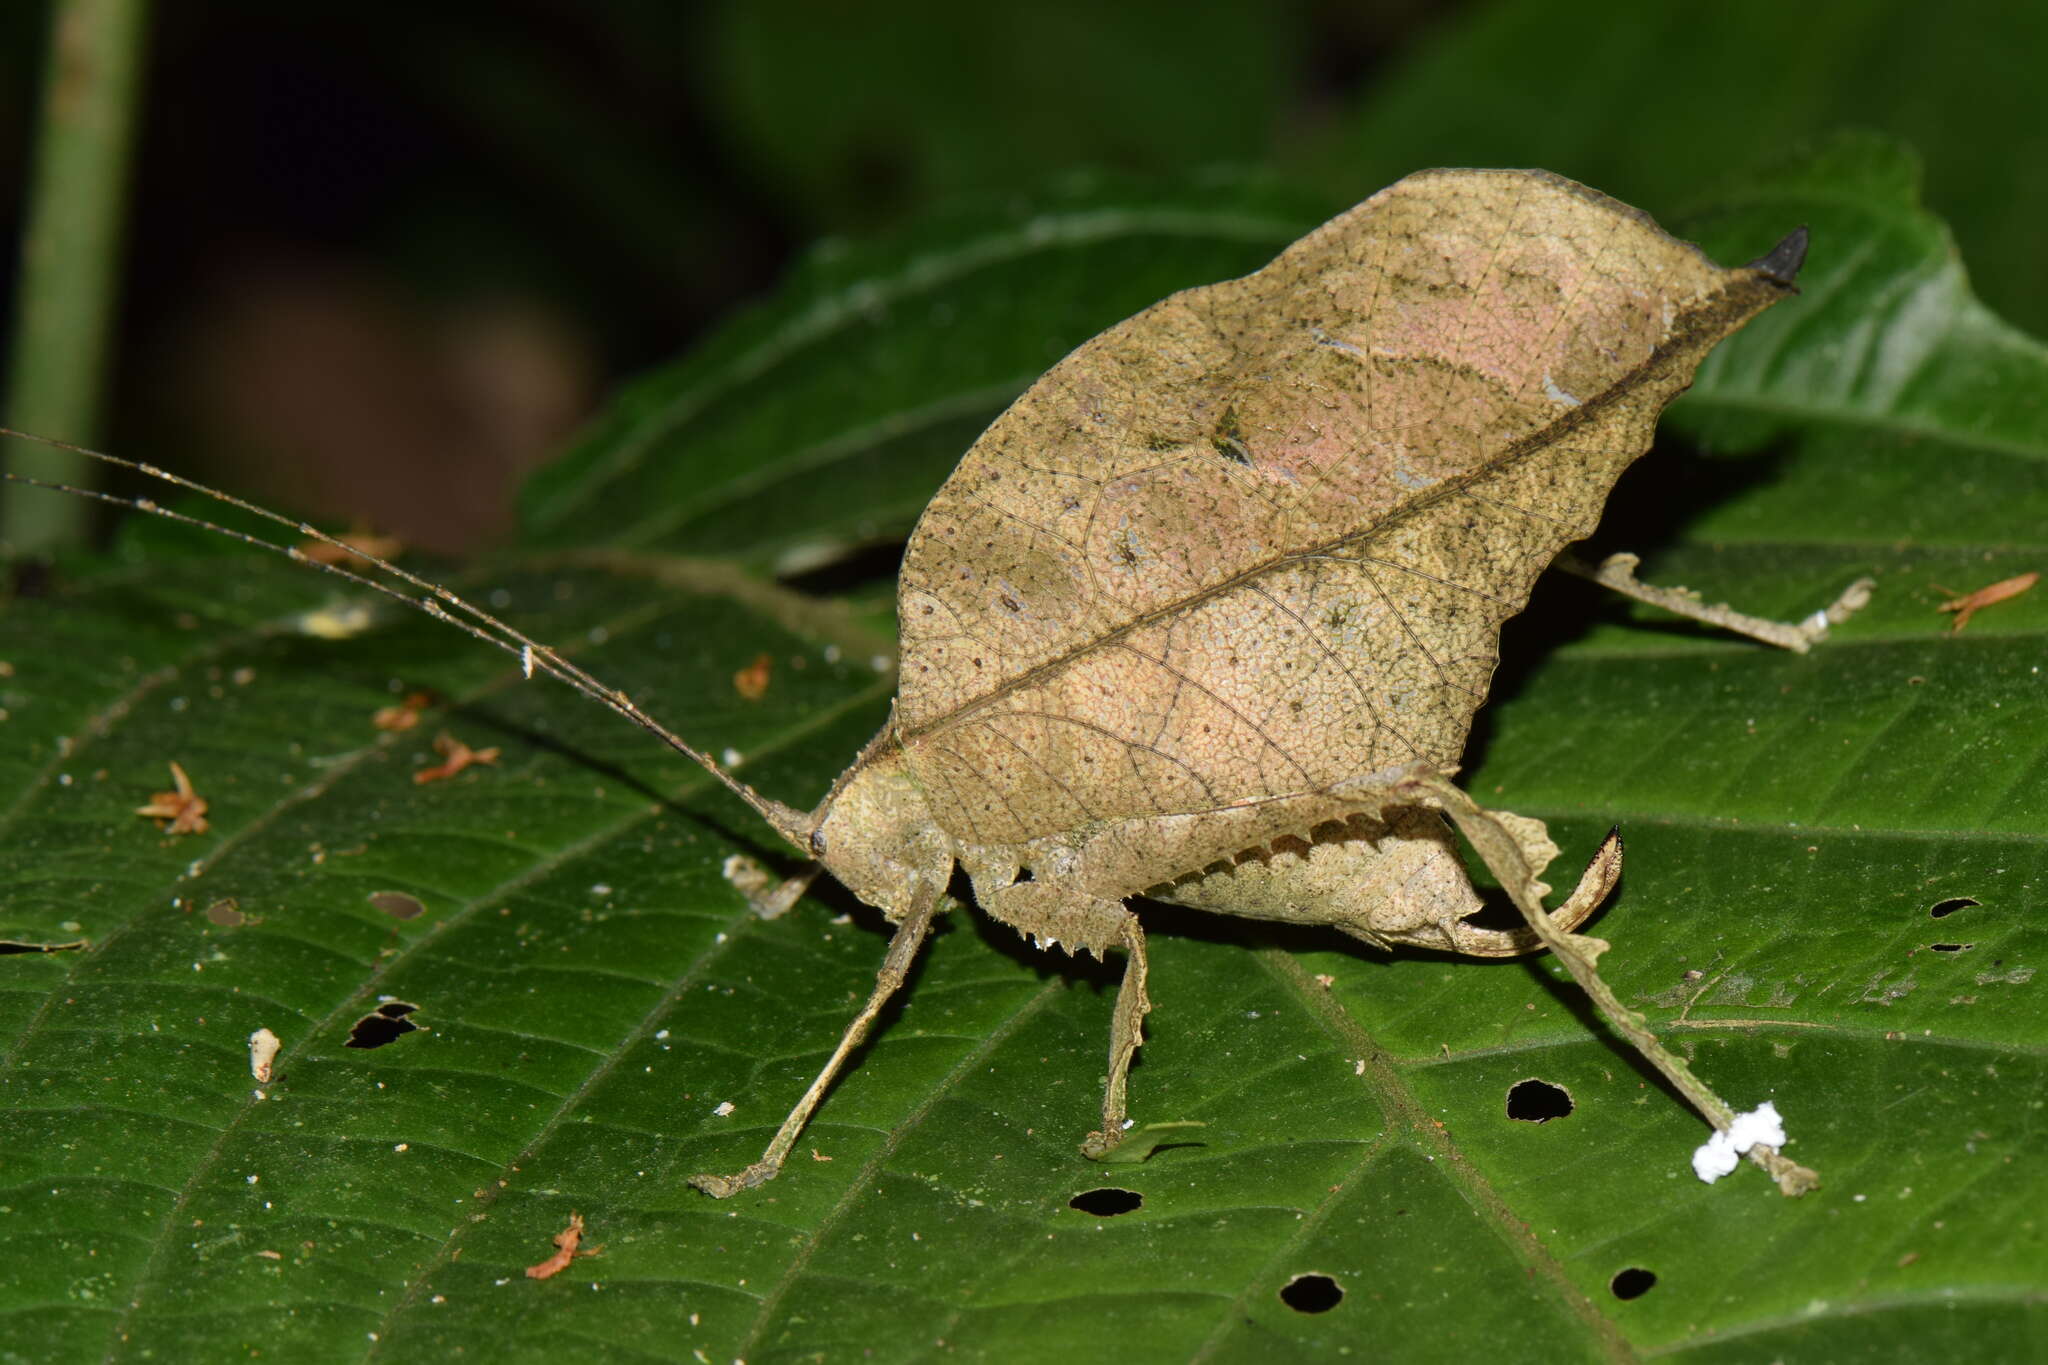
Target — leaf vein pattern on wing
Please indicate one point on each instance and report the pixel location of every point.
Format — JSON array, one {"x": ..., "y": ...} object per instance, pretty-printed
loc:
[
  {"x": 1111, "y": 735},
  {"x": 1184, "y": 679}
]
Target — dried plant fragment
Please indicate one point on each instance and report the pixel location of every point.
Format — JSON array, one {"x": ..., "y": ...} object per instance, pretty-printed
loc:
[
  {"x": 402, "y": 715},
  {"x": 751, "y": 682},
  {"x": 263, "y": 1047},
  {"x": 337, "y": 621},
  {"x": 456, "y": 756},
  {"x": 769, "y": 895},
  {"x": 567, "y": 1243},
  {"x": 398, "y": 904},
  {"x": 180, "y": 810},
  {"x": 357, "y": 549},
  {"x": 1968, "y": 604}
]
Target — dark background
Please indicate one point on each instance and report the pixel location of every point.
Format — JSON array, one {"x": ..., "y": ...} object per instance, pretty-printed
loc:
[{"x": 383, "y": 257}]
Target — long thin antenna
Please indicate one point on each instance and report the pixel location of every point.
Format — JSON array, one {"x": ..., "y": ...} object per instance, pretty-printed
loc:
[{"x": 436, "y": 601}]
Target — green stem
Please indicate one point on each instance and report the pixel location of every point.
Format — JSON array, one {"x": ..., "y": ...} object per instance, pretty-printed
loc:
[{"x": 71, "y": 255}]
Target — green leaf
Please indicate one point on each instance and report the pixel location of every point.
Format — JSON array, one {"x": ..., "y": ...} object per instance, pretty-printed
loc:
[
  {"x": 1835, "y": 868},
  {"x": 821, "y": 421}
]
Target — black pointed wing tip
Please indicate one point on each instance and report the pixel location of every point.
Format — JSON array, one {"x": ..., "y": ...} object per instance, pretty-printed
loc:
[{"x": 1782, "y": 261}]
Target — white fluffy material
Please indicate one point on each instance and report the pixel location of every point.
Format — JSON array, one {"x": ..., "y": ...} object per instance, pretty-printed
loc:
[{"x": 1723, "y": 1152}]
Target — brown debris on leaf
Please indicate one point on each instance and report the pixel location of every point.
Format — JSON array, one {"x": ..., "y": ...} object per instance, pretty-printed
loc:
[
  {"x": 769, "y": 895},
  {"x": 400, "y": 905},
  {"x": 263, "y": 1049},
  {"x": 402, "y": 715},
  {"x": 567, "y": 1243},
  {"x": 1968, "y": 604},
  {"x": 456, "y": 756},
  {"x": 751, "y": 682},
  {"x": 178, "y": 811}
]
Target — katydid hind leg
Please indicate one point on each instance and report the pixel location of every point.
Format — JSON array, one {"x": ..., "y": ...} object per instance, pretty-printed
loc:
[
  {"x": 1053, "y": 914},
  {"x": 1596, "y": 883}
]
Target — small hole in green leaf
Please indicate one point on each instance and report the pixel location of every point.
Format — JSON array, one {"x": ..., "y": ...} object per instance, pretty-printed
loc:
[
  {"x": 1107, "y": 1202},
  {"x": 1943, "y": 909},
  {"x": 1534, "y": 1101},
  {"x": 16, "y": 946},
  {"x": 382, "y": 1025},
  {"x": 1632, "y": 1283},
  {"x": 1312, "y": 1293},
  {"x": 1951, "y": 947}
]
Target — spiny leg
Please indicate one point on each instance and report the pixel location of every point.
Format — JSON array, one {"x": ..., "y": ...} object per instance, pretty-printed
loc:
[
  {"x": 1126, "y": 1031},
  {"x": 1053, "y": 914},
  {"x": 1595, "y": 885},
  {"x": 1618, "y": 572},
  {"x": 903, "y": 946}
]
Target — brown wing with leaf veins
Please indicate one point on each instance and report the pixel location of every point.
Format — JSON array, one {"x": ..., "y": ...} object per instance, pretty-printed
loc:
[{"x": 1260, "y": 538}]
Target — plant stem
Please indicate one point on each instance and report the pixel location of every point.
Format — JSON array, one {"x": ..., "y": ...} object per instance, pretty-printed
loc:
[{"x": 71, "y": 256}]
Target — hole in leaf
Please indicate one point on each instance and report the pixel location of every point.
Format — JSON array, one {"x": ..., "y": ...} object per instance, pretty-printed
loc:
[
  {"x": 1107, "y": 1202},
  {"x": 397, "y": 904},
  {"x": 1312, "y": 1293},
  {"x": 1951, "y": 947},
  {"x": 10, "y": 946},
  {"x": 1534, "y": 1101},
  {"x": 1943, "y": 909},
  {"x": 382, "y": 1025},
  {"x": 1632, "y": 1283}
]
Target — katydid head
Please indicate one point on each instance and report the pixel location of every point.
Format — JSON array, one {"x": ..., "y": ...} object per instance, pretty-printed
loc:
[{"x": 876, "y": 835}]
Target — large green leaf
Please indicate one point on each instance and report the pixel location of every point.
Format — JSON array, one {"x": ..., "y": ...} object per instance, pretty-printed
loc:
[
  {"x": 822, "y": 421},
  {"x": 1831, "y": 901}
]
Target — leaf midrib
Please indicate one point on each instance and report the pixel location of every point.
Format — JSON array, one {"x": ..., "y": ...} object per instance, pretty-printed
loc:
[{"x": 1686, "y": 329}]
